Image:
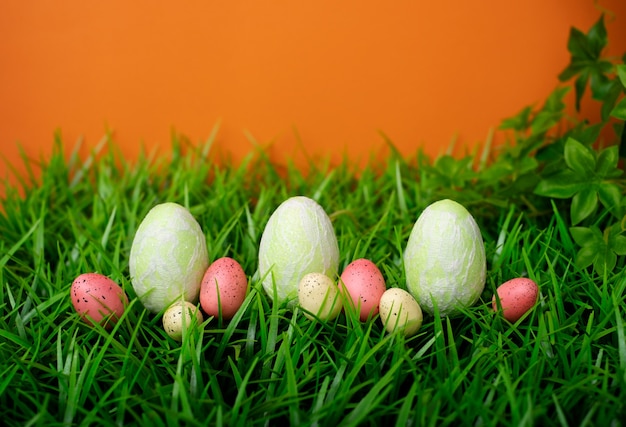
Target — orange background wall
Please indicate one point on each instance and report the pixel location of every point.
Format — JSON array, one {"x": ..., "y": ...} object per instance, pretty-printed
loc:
[{"x": 330, "y": 74}]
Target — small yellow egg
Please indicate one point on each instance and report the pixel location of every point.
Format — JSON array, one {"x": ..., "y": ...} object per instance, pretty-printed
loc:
[
  {"x": 319, "y": 295},
  {"x": 399, "y": 311},
  {"x": 181, "y": 315}
]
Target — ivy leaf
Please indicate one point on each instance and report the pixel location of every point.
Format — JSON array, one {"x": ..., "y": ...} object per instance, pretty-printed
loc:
[
  {"x": 551, "y": 112},
  {"x": 605, "y": 90},
  {"x": 579, "y": 157},
  {"x": 519, "y": 122},
  {"x": 583, "y": 204},
  {"x": 587, "y": 134},
  {"x": 585, "y": 51},
  {"x": 597, "y": 37},
  {"x": 619, "y": 111},
  {"x": 621, "y": 73}
]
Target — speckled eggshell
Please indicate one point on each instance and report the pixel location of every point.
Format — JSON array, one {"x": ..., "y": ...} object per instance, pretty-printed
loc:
[
  {"x": 399, "y": 311},
  {"x": 365, "y": 284},
  {"x": 98, "y": 299},
  {"x": 517, "y": 296},
  {"x": 319, "y": 294},
  {"x": 223, "y": 288},
  {"x": 179, "y": 316}
]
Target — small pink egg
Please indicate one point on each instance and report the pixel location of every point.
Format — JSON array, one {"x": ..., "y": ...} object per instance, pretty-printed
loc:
[
  {"x": 365, "y": 284},
  {"x": 517, "y": 296},
  {"x": 98, "y": 299},
  {"x": 223, "y": 288}
]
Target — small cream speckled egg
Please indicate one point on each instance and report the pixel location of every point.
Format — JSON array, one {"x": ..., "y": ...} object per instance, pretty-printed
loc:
[
  {"x": 319, "y": 294},
  {"x": 365, "y": 285},
  {"x": 98, "y": 299},
  {"x": 399, "y": 311},
  {"x": 179, "y": 316},
  {"x": 517, "y": 296},
  {"x": 223, "y": 288}
]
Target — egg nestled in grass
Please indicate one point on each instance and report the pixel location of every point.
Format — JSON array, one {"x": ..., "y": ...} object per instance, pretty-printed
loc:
[
  {"x": 319, "y": 296},
  {"x": 399, "y": 312},
  {"x": 168, "y": 257},
  {"x": 364, "y": 284},
  {"x": 180, "y": 317},
  {"x": 516, "y": 297},
  {"x": 298, "y": 239},
  {"x": 223, "y": 289},
  {"x": 98, "y": 299},
  {"x": 444, "y": 259}
]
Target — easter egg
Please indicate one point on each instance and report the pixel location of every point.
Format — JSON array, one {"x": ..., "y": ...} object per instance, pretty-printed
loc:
[
  {"x": 516, "y": 296},
  {"x": 223, "y": 288},
  {"x": 444, "y": 259},
  {"x": 298, "y": 239},
  {"x": 179, "y": 317},
  {"x": 98, "y": 299},
  {"x": 319, "y": 296},
  {"x": 168, "y": 257},
  {"x": 400, "y": 312},
  {"x": 365, "y": 284}
]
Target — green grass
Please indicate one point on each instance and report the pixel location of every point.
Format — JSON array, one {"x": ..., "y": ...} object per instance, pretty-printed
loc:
[{"x": 564, "y": 363}]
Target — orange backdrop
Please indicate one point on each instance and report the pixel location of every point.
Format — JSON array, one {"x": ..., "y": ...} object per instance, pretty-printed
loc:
[{"x": 330, "y": 74}]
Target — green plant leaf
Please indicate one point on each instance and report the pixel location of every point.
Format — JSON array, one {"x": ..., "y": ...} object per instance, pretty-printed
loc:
[
  {"x": 607, "y": 160},
  {"x": 579, "y": 85},
  {"x": 584, "y": 236},
  {"x": 605, "y": 262},
  {"x": 597, "y": 37},
  {"x": 579, "y": 157},
  {"x": 610, "y": 196},
  {"x": 578, "y": 45},
  {"x": 558, "y": 187},
  {"x": 618, "y": 245},
  {"x": 619, "y": 111},
  {"x": 562, "y": 185},
  {"x": 583, "y": 204},
  {"x": 587, "y": 134},
  {"x": 585, "y": 257},
  {"x": 519, "y": 122},
  {"x": 585, "y": 51},
  {"x": 621, "y": 73}
]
